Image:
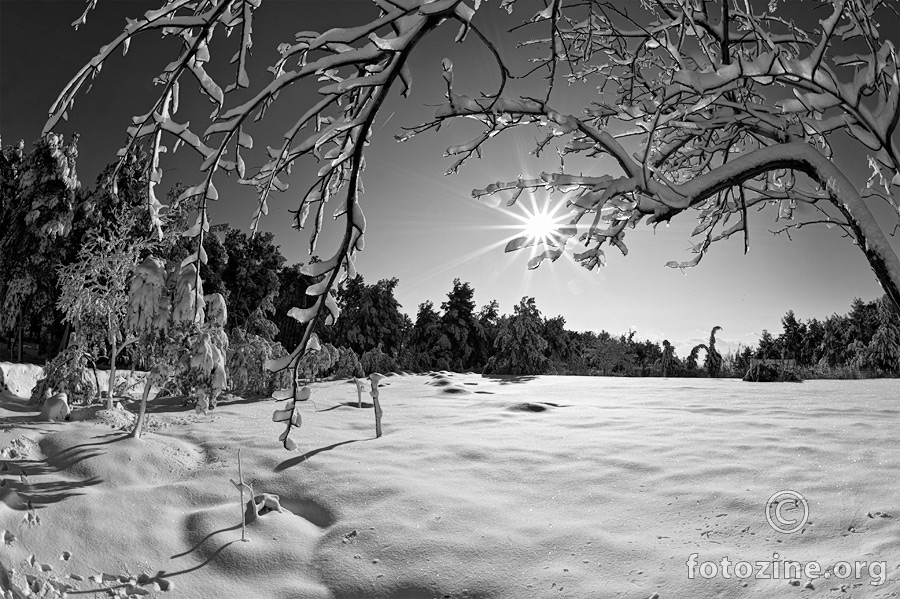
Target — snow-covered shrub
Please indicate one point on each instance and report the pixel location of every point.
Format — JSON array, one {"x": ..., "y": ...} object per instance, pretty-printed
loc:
[
  {"x": 216, "y": 312},
  {"x": 186, "y": 351},
  {"x": 194, "y": 360},
  {"x": 125, "y": 386},
  {"x": 147, "y": 301},
  {"x": 195, "y": 348},
  {"x": 210, "y": 351},
  {"x": 149, "y": 310},
  {"x": 67, "y": 372},
  {"x": 317, "y": 364},
  {"x": 245, "y": 362},
  {"x": 208, "y": 366},
  {"x": 347, "y": 365},
  {"x": 376, "y": 360},
  {"x": 189, "y": 300}
]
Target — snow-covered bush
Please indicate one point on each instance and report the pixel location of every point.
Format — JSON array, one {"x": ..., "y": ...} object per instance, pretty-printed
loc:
[
  {"x": 216, "y": 312},
  {"x": 195, "y": 349},
  {"x": 347, "y": 365},
  {"x": 189, "y": 301},
  {"x": 147, "y": 301},
  {"x": 210, "y": 351},
  {"x": 188, "y": 350},
  {"x": 245, "y": 362},
  {"x": 376, "y": 360},
  {"x": 67, "y": 372},
  {"x": 316, "y": 365},
  {"x": 208, "y": 365}
]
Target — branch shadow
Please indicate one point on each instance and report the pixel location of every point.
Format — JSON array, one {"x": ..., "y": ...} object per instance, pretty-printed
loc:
[
  {"x": 161, "y": 577},
  {"x": 204, "y": 539},
  {"x": 163, "y": 574},
  {"x": 29, "y": 422},
  {"x": 312, "y": 452},
  {"x": 45, "y": 494},
  {"x": 245, "y": 400},
  {"x": 348, "y": 404},
  {"x": 78, "y": 453},
  {"x": 29, "y": 493},
  {"x": 59, "y": 461}
]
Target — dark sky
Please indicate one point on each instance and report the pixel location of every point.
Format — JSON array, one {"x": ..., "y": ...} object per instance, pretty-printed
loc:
[{"x": 423, "y": 227}]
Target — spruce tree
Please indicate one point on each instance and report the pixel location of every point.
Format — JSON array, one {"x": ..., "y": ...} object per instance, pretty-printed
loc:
[{"x": 519, "y": 348}]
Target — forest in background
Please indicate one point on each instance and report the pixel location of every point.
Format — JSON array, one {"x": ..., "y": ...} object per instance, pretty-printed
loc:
[{"x": 57, "y": 234}]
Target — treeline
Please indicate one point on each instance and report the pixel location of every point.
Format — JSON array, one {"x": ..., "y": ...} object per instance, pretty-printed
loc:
[
  {"x": 864, "y": 341},
  {"x": 459, "y": 337}
]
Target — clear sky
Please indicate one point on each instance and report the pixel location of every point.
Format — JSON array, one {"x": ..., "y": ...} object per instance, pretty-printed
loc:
[{"x": 424, "y": 227}]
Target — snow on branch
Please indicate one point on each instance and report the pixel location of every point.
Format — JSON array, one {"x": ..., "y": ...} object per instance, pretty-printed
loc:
[{"x": 691, "y": 106}]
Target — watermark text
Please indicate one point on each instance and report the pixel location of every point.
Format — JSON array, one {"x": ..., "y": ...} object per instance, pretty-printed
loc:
[{"x": 780, "y": 569}]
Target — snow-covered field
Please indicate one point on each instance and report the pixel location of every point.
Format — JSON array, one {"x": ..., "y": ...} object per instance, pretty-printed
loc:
[{"x": 480, "y": 487}]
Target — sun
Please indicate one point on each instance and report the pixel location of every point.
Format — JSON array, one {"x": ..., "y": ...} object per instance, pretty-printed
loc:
[{"x": 540, "y": 225}]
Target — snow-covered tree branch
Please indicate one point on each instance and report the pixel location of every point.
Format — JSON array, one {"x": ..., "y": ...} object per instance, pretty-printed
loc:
[{"x": 707, "y": 106}]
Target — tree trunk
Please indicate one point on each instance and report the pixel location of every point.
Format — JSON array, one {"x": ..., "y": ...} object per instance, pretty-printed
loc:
[
  {"x": 803, "y": 157},
  {"x": 112, "y": 365},
  {"x": 139, "y": 421},
  {"x": 64, "y": 342},
  {"x": 21, "y": 328},
  {"x": 12, "y": 339},
  {"x": 96, "y": 376}
]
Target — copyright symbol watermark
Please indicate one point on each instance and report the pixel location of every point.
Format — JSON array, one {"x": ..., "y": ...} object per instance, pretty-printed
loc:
[{"x": 787, "y": 511}]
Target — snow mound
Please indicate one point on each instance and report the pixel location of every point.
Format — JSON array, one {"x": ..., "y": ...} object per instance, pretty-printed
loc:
[
  {"x": 455, "y": 390},
  {"x": 531, "y": 407},
  {"x": 19, "y": 378}
]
